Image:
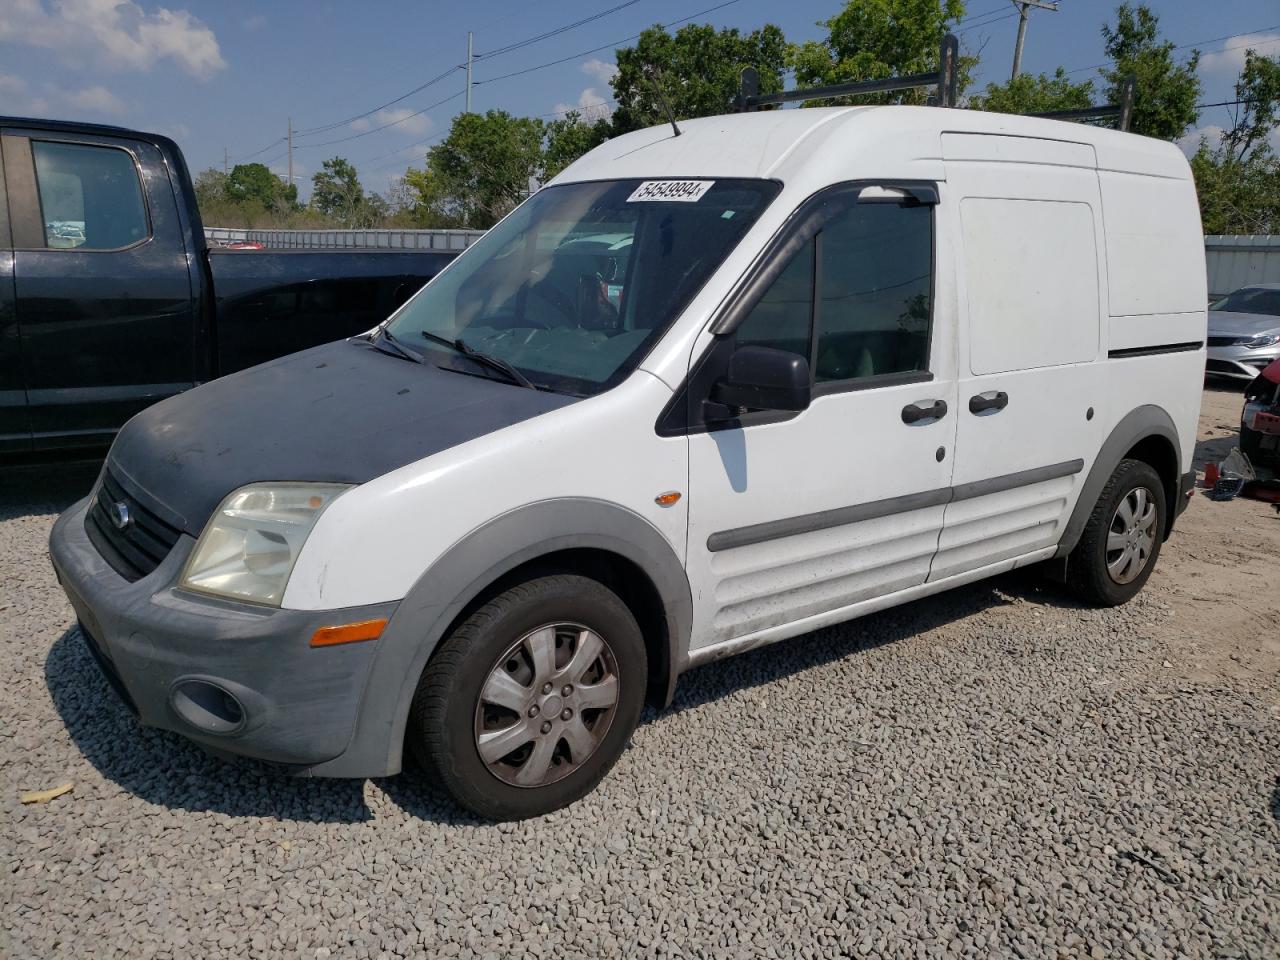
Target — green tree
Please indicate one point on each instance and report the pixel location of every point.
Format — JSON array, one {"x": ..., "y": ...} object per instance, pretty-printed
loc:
[
  {"x": 1238, "y": 180},
  {"x": 569, "y": 138},
  {"x": 211, "y": 187},
  {"x": 699, "y": 69},
  {"x": 481, "y": 170},
  {"x": 1028, "y": 94},
  {"x": 873, "y": 39},
  {"x": 253, "y": 183},
  {"x": 1165, "y": 97},
  {"x": 1258, "y": 110},
  {"x": 336, "y": 192}
]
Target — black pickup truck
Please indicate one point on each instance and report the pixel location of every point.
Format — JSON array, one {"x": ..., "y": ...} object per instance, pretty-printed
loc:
[{"x": 110, "y": 298}]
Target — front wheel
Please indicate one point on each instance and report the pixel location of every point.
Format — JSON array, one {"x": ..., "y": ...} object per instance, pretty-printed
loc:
[
  {"x": 529, "y": 702},
  {"x": 1121, "y": 541}
]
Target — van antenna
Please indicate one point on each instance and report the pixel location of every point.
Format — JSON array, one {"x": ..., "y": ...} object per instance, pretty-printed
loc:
[{"x": 655, "y": 78}]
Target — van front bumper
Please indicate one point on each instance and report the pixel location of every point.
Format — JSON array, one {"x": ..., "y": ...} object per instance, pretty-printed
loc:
[{"x": 234, "y": 677}]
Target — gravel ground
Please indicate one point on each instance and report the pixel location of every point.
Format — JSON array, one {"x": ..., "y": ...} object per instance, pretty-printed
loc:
[{"x": 992, "y": 772}]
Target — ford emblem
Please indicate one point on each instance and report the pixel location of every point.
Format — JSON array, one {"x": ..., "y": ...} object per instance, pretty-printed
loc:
[{"x": 120, "y": 515}]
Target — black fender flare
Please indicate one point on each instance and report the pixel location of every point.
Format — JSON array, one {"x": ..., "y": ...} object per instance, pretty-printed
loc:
[
  {"x": 1134, "y": 427},
  {"x": 469, "y": 566}
]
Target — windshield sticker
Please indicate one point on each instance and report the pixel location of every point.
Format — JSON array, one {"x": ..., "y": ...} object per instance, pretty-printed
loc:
[{"x": 682, "y": 191}]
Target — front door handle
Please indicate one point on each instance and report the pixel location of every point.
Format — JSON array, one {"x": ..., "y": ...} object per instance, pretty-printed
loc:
[
  {"x": 925, "y": 410},
  {"x": 991, "y": 402}
]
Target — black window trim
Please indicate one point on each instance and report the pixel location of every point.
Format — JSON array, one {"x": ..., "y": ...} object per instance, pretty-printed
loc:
[
  {"x": 805, "y": 223},
  {"x": 36, "y": 205}
]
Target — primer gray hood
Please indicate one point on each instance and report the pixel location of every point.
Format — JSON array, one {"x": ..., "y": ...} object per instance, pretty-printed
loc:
[{"x": 342, "y": 412}]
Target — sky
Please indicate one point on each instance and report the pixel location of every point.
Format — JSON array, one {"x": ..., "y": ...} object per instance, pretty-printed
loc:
[{"x": 225, "y": 77}]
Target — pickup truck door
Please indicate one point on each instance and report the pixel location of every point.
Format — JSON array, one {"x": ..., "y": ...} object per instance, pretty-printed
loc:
[
  {"x": 796, "y": 519},
  {"x": 15, "y": 432},
  {"x": 105, "y": 307}
]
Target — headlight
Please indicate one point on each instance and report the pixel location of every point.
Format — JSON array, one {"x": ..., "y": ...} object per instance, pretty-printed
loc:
[
  {"x": 1266, "y": 340},
  {"x": 249, "y": 546}
]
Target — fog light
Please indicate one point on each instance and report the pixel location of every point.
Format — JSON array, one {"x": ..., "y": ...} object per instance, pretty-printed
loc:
[{"x": 207, "y": 706}]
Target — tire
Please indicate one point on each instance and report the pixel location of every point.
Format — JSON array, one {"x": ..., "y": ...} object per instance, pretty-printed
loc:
[
  {"x": 1095, "y": 572},
  {"x": 524, "y": 672}
]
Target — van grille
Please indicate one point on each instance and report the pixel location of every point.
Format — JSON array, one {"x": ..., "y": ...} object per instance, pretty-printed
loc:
[{"x": 142, "y": 544}]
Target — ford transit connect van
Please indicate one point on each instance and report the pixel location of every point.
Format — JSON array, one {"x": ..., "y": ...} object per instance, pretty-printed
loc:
[{"x": 700, "y": 393}]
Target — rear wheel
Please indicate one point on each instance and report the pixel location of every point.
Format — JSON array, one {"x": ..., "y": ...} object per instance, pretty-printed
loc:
[
  {"x": 528, "y": 703},
  {"x": 1121, "y": 541}
]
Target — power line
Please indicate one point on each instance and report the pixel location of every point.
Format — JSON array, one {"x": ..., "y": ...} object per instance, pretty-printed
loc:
[
  {"x": 987, "y": 23},
  {"x": 557, "y": 31},
  {"x": 519, "y": 44},
  {"x": 606, "y": 46},
  {"x": 1196, "y": 43},
  {"x": 393, "y": 123}
]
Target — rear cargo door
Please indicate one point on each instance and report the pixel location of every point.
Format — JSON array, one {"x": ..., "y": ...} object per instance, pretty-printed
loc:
[
  {"x": 104, "y": 304},
  {"x": 15, "y": 432}
]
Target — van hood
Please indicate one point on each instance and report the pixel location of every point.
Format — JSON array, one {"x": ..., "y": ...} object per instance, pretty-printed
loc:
[
  {"x": 1225, "y": 323},
  {"x": 341, "y": 413}
]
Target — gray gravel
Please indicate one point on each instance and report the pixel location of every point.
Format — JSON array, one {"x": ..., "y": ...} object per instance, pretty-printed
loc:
[{"x": 993, "y": 772}]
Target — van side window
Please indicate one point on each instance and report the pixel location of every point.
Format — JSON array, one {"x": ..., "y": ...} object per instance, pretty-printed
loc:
[
  {"x": 783, "y": 317},
  {"x": 876, "y": 266},
  {"x": 90, "y": 196}
]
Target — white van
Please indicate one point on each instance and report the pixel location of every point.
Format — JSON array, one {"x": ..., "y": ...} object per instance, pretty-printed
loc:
[{"x": 701, "y": 393}]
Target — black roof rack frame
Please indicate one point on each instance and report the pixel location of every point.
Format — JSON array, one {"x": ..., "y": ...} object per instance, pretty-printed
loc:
[
  {"x": 944, "y": 78},
  {"x": 1123, "y": 111}
]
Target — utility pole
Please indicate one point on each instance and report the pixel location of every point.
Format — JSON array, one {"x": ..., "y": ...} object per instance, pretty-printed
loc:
[
  {"x": 469, "y": 58},
  {"x": 1024, "y": 11},
  {"x": 291, "y": 150},
  {"x": 226, "y": 160}
]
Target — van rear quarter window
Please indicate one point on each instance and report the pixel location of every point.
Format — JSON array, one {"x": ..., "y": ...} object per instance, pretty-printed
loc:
[{"x": 1032, "y": 275}]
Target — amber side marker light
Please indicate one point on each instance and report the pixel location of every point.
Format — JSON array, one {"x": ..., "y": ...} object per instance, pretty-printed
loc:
[
  {"x": 670, "y": 498},
  {"x": 348, "y": 633}
]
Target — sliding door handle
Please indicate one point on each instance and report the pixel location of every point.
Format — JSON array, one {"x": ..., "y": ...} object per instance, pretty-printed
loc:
[
  {"x": 988, "y": 403},
  {"x": 925, "y": 411}
]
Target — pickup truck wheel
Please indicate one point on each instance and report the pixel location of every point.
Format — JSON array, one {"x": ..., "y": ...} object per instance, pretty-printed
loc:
[
  {"x": 529, "y": 702},
  {"x": 1121, "y": 541}
]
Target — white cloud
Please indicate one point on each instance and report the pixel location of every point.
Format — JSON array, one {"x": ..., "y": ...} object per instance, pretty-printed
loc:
[
  {"x": 96, "y": 98},
  {"x": 405, "y": 121},
  {"x": 591, "y": 106},
  {"x": 1229, "y": 61},
  {"x": 119, "y": 32},
  {"x": 1190, "y": 141},
  {"x": 603, "y": 72}
]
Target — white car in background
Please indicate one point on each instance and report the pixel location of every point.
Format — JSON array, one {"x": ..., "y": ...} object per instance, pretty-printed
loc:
[{"x": 1244, "y": 332}]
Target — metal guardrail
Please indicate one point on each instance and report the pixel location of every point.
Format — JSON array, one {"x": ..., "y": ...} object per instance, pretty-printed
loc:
[
  {"x": 1235, "y": 262},
  {"x": 1232, "y": 261},
  {"x": 350, "y": 239}
]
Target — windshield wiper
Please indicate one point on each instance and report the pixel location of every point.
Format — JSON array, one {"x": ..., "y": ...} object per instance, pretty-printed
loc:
[
  {"x": 384, "y": 335},
  {"x": 485, "y": 359}
]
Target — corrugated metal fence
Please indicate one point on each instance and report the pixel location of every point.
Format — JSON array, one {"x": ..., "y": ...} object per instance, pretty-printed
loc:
[
  {"x": 352, "y": 239},
  {"x": 1232, "y": 262},
  {"x": 1235, "y": 262}
]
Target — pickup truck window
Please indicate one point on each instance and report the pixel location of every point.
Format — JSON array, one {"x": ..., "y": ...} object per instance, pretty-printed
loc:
[
  {"x": 90, "y": 196},
  {"x": 575, "y": 286},
  {"x": 872, "y": 267}
]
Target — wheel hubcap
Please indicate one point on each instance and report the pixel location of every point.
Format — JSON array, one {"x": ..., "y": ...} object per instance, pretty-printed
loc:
[
  {"x": 546, "y": 704},
  {"x": 1131, "y": 537}
]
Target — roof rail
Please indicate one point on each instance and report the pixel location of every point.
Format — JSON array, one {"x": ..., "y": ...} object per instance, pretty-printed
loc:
[
  {"x": 944, "y": 78},
  {"x": 1123, "y": 111}
]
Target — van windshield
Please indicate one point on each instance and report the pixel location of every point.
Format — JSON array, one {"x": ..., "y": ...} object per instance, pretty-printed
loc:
[{"x": 576, "y": 285}]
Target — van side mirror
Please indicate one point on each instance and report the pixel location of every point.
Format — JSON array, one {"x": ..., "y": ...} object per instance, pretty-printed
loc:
[{"x": 763, "y": 378}]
